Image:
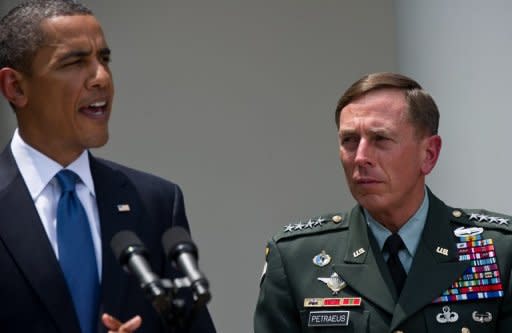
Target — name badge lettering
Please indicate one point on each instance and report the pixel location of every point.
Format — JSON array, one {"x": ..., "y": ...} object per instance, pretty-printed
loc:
[{"x": 328, "y": 318}]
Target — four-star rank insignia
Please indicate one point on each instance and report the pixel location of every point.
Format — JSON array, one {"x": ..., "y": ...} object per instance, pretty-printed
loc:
[
  {"x": 488, "y": 219},
  {"x": 311, "y": 223}
]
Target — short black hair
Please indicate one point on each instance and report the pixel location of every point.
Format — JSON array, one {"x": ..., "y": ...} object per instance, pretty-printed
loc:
[{"x": 21, "y": 34}]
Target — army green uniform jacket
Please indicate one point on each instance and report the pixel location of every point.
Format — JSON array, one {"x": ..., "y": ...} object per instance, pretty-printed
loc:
[{"x": 459, "y": 280}]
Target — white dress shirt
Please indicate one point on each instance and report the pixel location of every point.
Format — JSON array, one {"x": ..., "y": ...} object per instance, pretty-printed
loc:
[{"x": 38, "y": 172}]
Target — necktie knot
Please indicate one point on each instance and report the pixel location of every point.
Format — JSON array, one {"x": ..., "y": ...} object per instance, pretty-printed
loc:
[
  {"x": 394, "y": 244},
  {"x": 67, "y": 180}
]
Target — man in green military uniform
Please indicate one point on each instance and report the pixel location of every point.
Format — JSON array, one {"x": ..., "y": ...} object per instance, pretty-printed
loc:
[{"x": 401, "y": 260}]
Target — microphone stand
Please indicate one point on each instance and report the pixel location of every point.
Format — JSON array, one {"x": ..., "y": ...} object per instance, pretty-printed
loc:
[{"x": 171, "y": 308}]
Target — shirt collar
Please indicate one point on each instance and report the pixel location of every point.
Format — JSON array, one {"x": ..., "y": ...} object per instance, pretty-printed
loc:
[
  {"x": 410, "y": 232},
  {"x": 38, "y": 169}
]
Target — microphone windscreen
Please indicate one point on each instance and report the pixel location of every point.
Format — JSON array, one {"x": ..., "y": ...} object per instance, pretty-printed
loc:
[
  {"x": 122, "y": 241},
  {"x": 174, "y": 237}
]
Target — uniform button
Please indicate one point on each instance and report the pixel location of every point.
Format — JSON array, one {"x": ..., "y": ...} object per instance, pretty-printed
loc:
[
  {"x": 337, "y": 219},
  {"x": 465, "y": 330},
  {"x": 398, "y": 331}
]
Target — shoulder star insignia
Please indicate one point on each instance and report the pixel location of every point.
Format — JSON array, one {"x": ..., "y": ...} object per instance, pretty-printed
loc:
[
  {"x": 493, "y": 219},
  {"x": 488, "y": 219},
  {"x": 310, "y": 224},
  {"x": 288, "y": 228},
  {"x": 483, "y": 218},
  {"x": 299, "y": 226}
]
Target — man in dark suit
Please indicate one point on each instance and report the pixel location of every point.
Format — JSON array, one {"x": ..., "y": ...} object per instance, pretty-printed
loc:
[
  {"x": 401, "y": 260},
  {"x": 54, "y": 72}
]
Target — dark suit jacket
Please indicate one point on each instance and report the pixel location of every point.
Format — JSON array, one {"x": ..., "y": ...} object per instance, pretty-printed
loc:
[
  {"x": 292, "y": 277},
  {"x": 33, "y": 292}
]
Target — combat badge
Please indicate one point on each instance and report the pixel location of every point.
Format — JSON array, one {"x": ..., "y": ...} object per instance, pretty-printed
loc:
[
  {"x": 447, "y": 316},
  {"x": 482, "y": 317},
  {"x": 322, "y": 259},
  {"x": 334, "y": 282},
  {"x": 472, "y": 231}
]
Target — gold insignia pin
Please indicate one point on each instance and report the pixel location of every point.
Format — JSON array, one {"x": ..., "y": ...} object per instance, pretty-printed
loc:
[
  {"x": 337, "y": 219},
  {"x": 442, "y": 250},
  {"x": 357, "y": 253},
  {"x": 457, "y": 213},
  {"x": 123, "y": 208},
  {"x": 267, "y": 250}
]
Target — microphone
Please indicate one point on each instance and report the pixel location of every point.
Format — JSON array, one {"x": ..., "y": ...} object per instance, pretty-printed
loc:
[
  {"x": 132, "y": 255},
  {"x": 182, "y": 252}
]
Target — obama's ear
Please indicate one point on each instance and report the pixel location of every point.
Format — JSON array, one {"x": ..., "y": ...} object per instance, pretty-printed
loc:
[{"x": 12, "y": 88}]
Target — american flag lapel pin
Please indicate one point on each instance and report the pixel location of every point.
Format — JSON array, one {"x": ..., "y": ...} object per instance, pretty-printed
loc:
[{"x": 123, "y": 208}]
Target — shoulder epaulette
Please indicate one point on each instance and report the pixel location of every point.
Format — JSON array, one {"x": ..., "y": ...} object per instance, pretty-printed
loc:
[
  {"x": 482, "y": 218},
  {"x": 313, "y": 225}
]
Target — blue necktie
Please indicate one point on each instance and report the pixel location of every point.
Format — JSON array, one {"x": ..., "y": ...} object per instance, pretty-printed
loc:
[{"x": 76, "y": 252}]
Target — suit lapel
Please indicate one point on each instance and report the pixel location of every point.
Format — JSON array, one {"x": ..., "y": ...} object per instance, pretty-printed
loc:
[
  {"x": 360, "y": 268},
  {"x": 23, "y": 234},
  {"x": 431, "y": 272},
  {"x": 112, "y": 189}
]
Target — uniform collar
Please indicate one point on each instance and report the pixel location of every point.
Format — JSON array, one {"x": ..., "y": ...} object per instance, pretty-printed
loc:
[{"x": 410, "y": 232}]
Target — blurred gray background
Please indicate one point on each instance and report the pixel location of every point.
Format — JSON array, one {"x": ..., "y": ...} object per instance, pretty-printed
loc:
[{"x": 234, "y": 101}]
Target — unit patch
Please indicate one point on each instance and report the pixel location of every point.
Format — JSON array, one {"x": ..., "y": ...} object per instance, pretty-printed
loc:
[{"x": 322, "y": 259}]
